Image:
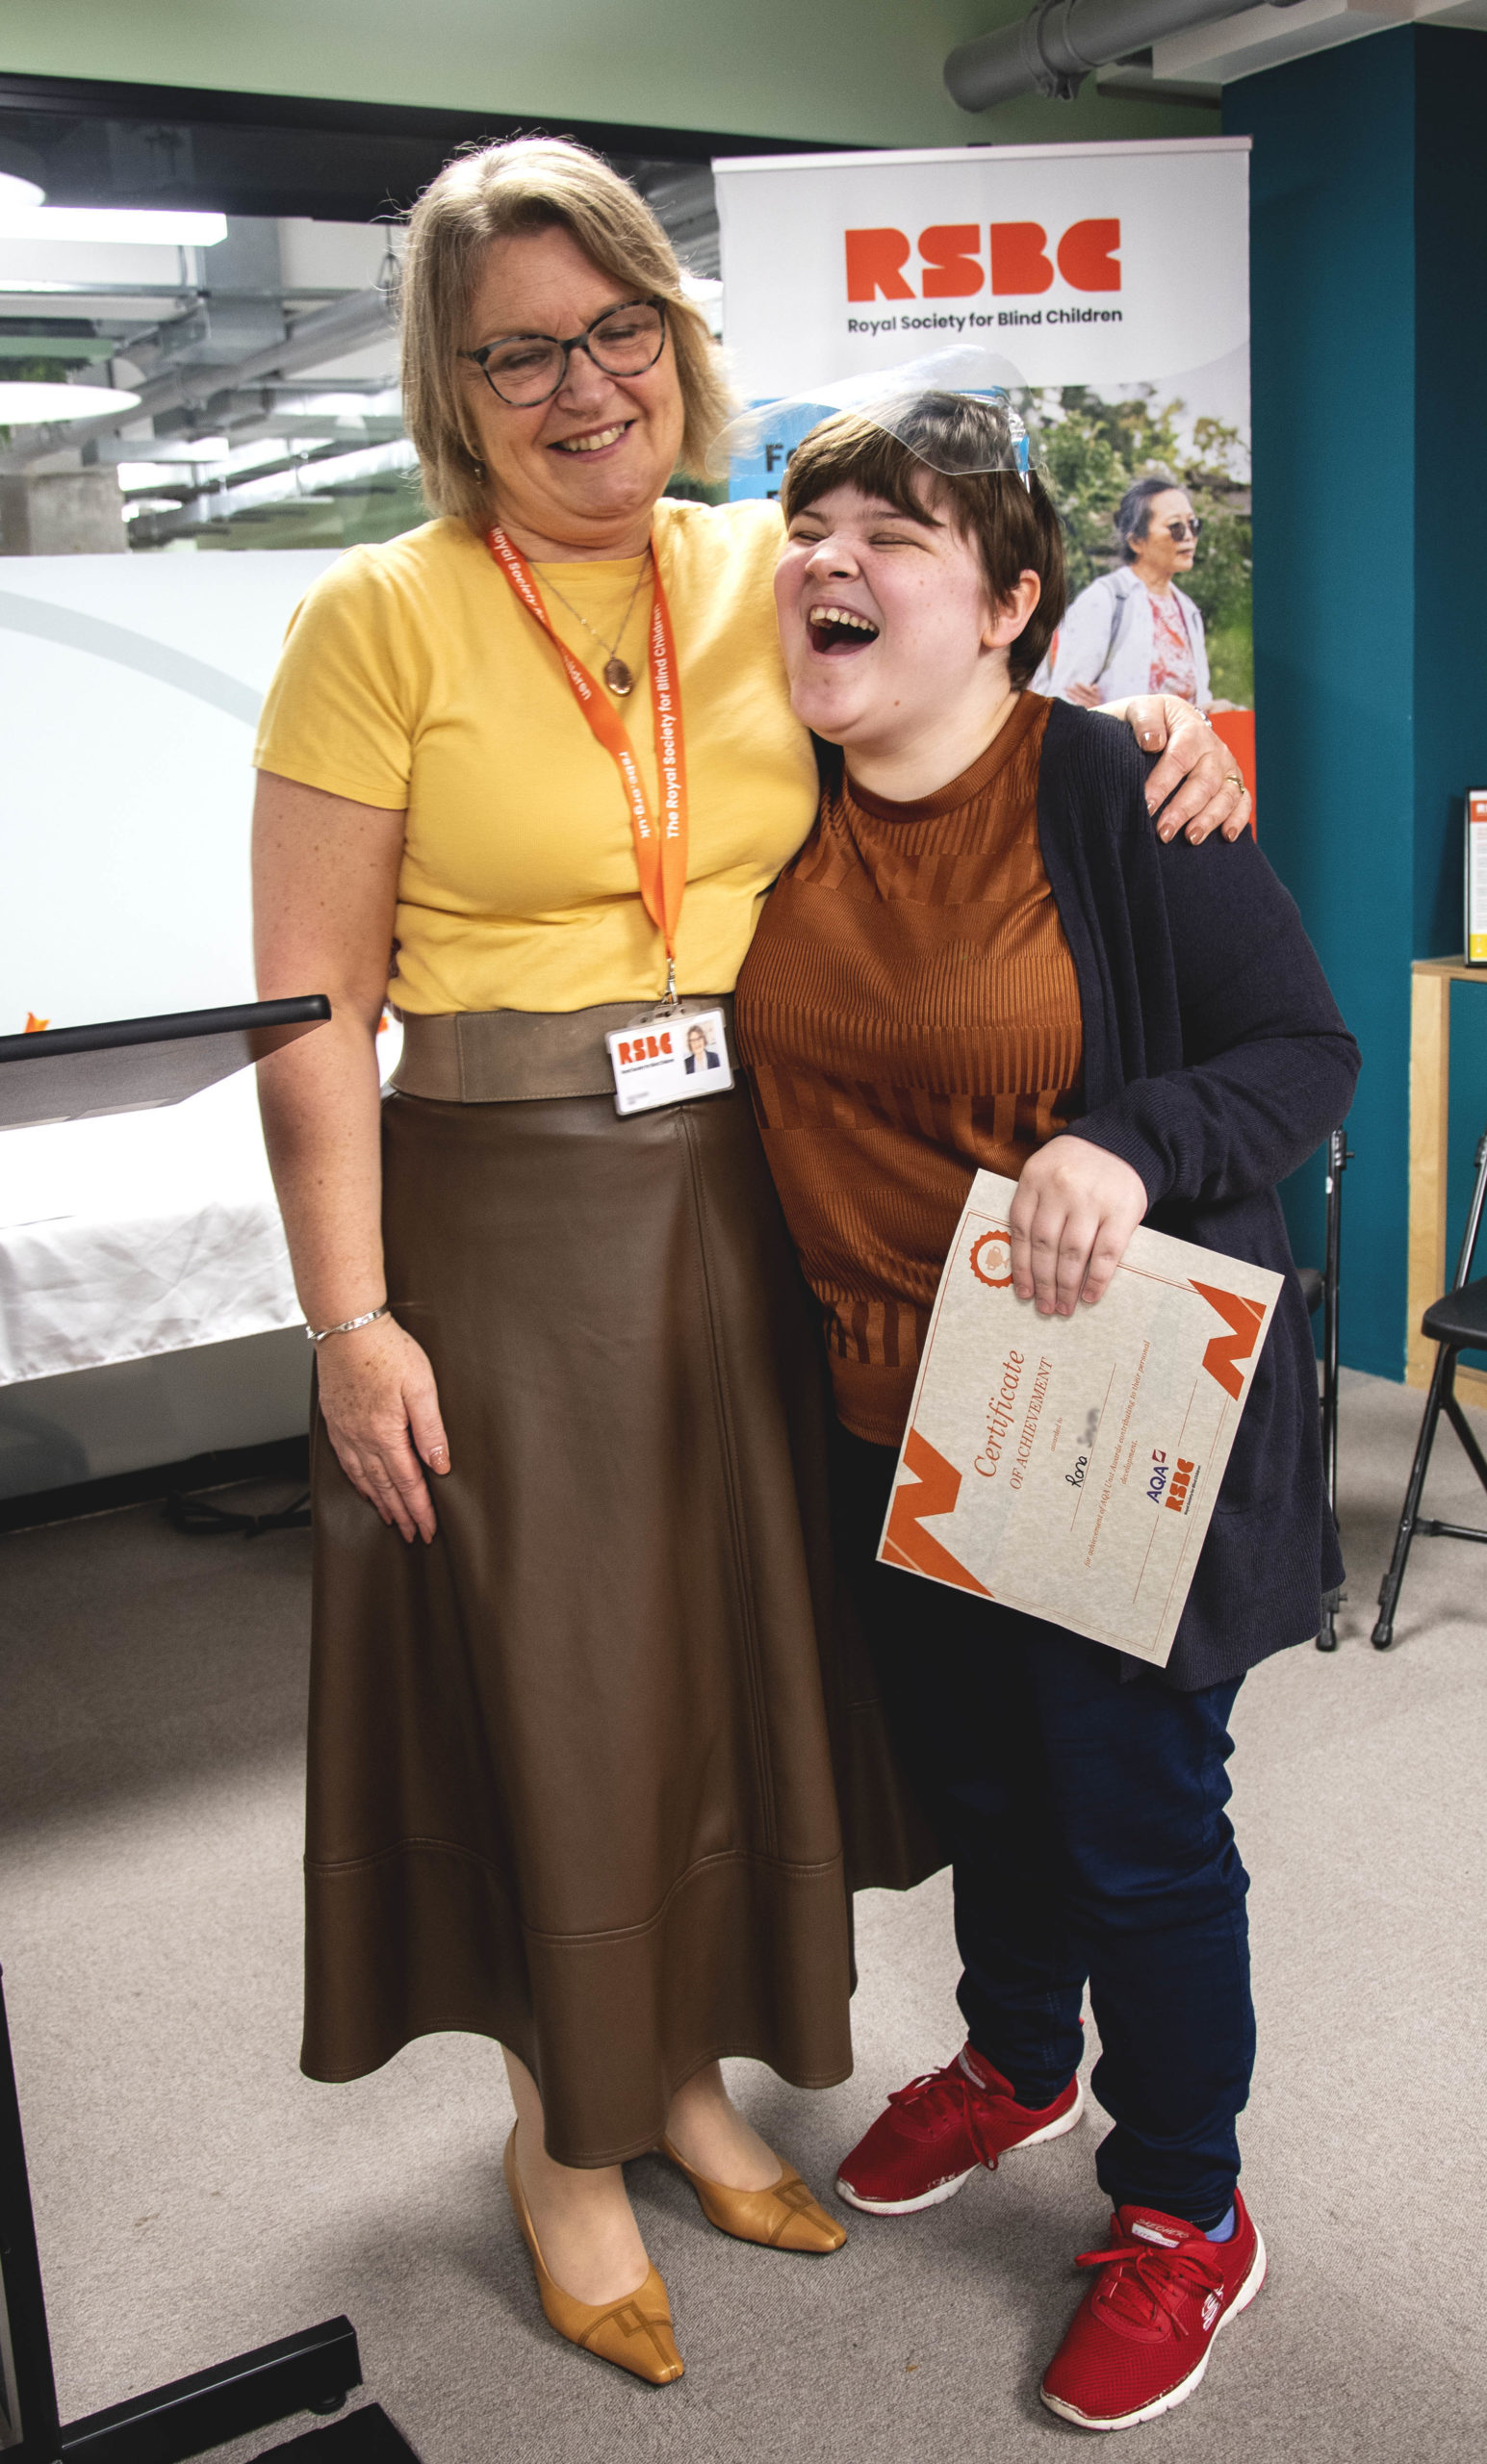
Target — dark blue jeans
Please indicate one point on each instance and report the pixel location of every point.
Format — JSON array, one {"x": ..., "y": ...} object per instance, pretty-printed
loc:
[{"x": 1084, "y": 1809}]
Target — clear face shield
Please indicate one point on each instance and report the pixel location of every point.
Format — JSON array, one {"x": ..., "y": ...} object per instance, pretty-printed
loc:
[{"x": 955, "y": 410}]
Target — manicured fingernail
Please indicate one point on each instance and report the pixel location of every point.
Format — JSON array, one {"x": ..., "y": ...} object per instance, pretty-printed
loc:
[{"x": 1166, "y": 832}]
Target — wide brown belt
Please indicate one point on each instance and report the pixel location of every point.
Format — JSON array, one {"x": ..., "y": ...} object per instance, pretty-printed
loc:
[{"x": 520, "y": 1056}]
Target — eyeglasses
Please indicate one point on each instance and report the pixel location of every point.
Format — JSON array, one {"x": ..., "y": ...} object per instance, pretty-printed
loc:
[
  {"x": 526, "y": 368},
  {"x": 1181, "y": 530}
]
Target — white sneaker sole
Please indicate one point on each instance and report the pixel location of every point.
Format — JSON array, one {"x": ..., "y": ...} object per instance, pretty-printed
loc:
[
  {"x": 942, "y": 2191},
  {"x": 1174, "y": 2395}
]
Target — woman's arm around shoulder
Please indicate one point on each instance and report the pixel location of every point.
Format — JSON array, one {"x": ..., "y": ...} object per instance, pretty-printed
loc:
[{"x": 1194, "y": 789}]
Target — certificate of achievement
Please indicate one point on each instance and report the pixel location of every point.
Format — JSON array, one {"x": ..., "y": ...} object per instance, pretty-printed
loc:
[{"x": 1069, "y": 1466}]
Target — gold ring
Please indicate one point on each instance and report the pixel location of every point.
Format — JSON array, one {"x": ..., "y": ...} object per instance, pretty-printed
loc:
[{"x": 1232, "y": 778}]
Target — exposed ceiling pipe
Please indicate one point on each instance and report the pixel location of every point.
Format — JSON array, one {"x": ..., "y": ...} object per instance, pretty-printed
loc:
[
  {"x": 356, "y": 317},
  {"x": 1054, "y": 49}
]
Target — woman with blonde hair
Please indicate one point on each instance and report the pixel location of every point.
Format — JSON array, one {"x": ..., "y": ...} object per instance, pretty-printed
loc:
[{"x": 575, "y": 1757}]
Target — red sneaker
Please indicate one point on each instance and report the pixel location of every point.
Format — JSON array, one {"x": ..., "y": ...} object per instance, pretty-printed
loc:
[
  {"x": 1140, "y": 2340},
  {"x": 939, "y": 2128}
]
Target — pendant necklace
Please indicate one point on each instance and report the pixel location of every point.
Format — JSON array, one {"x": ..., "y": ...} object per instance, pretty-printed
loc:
[{"x": 616, "y": 674}]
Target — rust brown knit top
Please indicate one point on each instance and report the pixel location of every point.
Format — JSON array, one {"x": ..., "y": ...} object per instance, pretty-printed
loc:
[{"x": 910, "y": 1011}]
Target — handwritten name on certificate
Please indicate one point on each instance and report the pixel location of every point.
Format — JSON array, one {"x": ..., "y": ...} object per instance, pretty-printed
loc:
[{"x": 1069, "y": 1466}]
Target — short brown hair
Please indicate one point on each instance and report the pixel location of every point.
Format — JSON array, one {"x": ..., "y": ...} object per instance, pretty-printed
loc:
[
  {"x": 1013, "y": 521},
  {"x": 530, "y": 184}
]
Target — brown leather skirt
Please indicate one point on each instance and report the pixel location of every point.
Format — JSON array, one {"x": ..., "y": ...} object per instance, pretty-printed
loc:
[{"x": 574, "y": 1769}]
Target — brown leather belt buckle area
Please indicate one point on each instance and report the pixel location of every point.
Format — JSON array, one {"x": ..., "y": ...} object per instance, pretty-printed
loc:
[{"x": 518, "y": 1056}]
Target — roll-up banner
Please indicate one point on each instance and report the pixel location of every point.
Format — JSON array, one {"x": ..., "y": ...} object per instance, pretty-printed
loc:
[{"x": 1112, "y": 283}]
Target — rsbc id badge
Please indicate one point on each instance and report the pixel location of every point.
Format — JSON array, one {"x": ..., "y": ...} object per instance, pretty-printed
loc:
[{"x": 668, "y": 1058}]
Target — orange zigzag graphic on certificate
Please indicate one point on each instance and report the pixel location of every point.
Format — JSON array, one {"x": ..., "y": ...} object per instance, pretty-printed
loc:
[
  {"x": 906, "y": 1542},
  {"x": 1244, "y": 1318}
]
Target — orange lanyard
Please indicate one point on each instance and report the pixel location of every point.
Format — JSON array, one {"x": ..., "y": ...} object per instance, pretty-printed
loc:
[{"x": 660, "y": 846}]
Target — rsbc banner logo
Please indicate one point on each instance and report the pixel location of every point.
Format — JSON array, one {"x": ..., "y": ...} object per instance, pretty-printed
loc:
[
  {"x": 953, "y": 260},
  {"x": 1113, "y": 265}
]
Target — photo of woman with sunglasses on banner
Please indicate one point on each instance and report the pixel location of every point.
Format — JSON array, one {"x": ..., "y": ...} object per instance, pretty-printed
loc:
[
  {"x": 578, "y": 1729},
  {"x": 982, "y": 958},
  {"x": 1134, "y": 630}
]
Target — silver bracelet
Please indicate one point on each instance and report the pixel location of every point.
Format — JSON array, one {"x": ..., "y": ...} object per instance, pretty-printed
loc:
[{"x": 347, "y": 1326}]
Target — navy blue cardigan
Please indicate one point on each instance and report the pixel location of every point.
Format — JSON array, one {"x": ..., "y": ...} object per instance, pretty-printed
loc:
[{"x": 1215, "y": 1062}]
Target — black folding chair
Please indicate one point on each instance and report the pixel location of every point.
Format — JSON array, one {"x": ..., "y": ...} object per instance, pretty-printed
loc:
[
  {"x": 1322, "y": 1287},
  {"x": 1456, "y": 1322}
]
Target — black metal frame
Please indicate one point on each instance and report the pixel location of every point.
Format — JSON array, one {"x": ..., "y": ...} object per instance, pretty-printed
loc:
[
  {"x": 316, "y": 2370},
  {"x": 28, "y": 2389},
  {"x": 198, "y": 1518},
  {"x": 312, "y": 2372},
  {"x": 1442, "y": 1397}
]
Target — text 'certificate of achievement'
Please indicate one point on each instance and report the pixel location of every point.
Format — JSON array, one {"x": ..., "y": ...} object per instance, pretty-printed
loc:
[{"x": 1069, "y": 1466}]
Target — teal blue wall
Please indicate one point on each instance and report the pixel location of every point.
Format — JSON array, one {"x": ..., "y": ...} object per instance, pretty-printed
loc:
[
  {"x": 1450, "y": 474},
  {"x": 1369, "y": 271}
]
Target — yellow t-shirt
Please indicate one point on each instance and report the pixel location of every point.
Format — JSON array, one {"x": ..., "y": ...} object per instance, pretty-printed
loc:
[{"x": 412, "y": 677}]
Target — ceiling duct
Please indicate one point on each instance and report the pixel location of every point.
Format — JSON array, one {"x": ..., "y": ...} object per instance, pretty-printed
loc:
[
  {"x": 358, "y": 318},
  {"x": 1064, "y": 41}
]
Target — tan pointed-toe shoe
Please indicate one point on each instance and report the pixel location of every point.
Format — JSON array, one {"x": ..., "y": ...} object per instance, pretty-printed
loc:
[
  {"x": 634, "y": 2334},
  {"x": 784, "y": 2218}
]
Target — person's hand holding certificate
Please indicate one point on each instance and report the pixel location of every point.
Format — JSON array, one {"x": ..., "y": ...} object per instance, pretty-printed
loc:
[{"x": 1069, "y": 1466}]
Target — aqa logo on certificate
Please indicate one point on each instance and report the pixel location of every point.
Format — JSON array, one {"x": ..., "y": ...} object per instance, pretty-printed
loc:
[{"x": 1069, "y": 1466}]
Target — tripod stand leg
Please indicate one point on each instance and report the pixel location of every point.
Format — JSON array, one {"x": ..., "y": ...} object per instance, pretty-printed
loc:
[{"x": 1441, "y": 1385}]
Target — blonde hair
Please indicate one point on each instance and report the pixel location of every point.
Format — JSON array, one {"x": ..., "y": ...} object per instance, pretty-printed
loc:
[{"x": 530, "y": 184}]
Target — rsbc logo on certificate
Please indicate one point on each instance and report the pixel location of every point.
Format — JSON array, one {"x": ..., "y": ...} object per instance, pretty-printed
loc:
[{"x": 1069, "y": 1466}]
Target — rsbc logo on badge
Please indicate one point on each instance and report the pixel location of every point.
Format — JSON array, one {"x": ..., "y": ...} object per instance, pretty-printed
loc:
[
  {"x": 632, "y": 1048},
  {"x": 668, "y": 1060},
  {"x": 951, "y": 266}
]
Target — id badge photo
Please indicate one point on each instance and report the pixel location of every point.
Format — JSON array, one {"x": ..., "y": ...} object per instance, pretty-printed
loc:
[{"x": 669, "y": 1057}]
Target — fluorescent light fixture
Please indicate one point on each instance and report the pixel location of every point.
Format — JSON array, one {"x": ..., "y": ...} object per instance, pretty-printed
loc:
[
  {"x": 28, "y": 405},
  {"x": 107, "y": 227},
  {"x": 17, "y": 196}
]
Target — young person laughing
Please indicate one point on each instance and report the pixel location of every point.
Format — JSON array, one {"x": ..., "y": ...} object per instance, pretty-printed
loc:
[{"x": 982, "y": 957}]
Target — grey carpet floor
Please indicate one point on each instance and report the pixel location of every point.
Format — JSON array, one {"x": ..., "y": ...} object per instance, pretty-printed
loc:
[{"x": 195, "y": 2196}]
